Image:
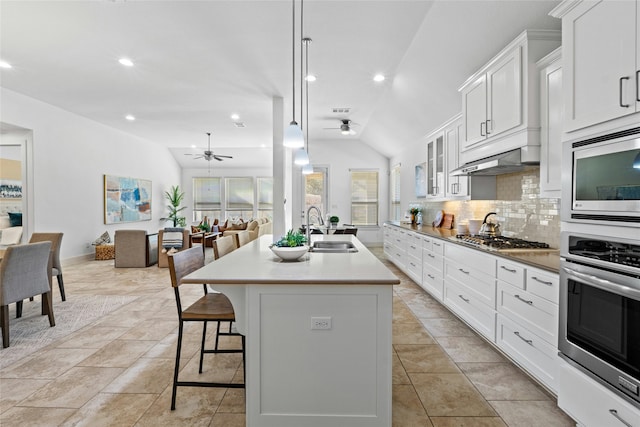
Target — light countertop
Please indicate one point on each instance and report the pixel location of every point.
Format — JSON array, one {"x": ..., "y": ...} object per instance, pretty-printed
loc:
[
  {"x": 546, "y": 260},
  {"x": 254, "y": 263}
]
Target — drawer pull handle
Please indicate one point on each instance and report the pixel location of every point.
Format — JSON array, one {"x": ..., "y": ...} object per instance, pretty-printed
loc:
[
  {"x": 544, "y": 282},
  {"x": 413, "y": 247},
  {"x": 431, "y": 277},
  {"x": 465, "y": 272},
  {"x": 524, "y": 300},
  {"x": 530, "y": 342},
  {"x": 508, "y": 269},
  {"x": 482, "y": 123},
  {"x": 437, "y": 244},
  {"x": 431, "y": 255},
  {"x": 412, "y": 264},
  {"x": 463, "y": 298},
  {"x": 619, "y": 418}
]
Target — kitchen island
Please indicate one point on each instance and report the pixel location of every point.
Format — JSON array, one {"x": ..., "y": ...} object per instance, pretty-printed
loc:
[{"x": 318, "y": 333}]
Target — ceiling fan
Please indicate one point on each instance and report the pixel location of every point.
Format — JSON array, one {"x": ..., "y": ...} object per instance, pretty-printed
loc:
[
  {"x": 346, "y": 127},
  {"x": 208, "y": 154}
]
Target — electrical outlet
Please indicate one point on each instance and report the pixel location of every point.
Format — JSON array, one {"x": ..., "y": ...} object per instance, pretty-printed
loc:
[{"x": 322, "y": 323}]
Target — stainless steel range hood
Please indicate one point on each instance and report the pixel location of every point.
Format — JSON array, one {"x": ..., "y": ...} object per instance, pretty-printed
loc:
[{"x": 509, "y": 162}]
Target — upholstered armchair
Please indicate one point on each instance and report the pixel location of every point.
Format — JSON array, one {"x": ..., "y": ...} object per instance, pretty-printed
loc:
[
  {"x": 136, "y": 248},
  {"x": 163, "y": 258}
]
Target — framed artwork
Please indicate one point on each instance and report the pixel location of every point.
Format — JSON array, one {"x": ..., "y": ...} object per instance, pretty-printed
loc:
[
  {"x": 126, "y": 199},
  {"x": 421, "y": 180}
]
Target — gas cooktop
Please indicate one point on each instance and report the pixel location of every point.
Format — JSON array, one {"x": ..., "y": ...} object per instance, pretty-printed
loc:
[{"x": 501, "y": 243}]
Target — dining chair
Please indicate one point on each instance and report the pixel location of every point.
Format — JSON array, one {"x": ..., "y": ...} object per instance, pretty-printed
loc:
[
  {"x": 56, "y": 266},
  {"x": 224, "y": 245},
  {"x": 243, "y": 238},
  {"x": 24, "y": 273},
  {"x": 211, "y": 307}
]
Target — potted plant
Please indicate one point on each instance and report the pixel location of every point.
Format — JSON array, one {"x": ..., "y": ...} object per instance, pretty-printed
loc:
[
  {"x": 175, "y": 196},
  {"x": 414, "y": 211},
  {"x": 291, "y": 246},
  {"x": 334, "y": 220}
]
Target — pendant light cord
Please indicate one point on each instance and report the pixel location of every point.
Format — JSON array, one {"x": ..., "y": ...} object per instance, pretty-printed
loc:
[
  {"x": 293, "y": 59},
  {"x": 301, "y": 69},
  {"x": 306, "y": 74}
]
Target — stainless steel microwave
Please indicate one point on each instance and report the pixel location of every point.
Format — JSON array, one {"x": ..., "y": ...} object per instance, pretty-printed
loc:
[{"x": 605, "y": 179}]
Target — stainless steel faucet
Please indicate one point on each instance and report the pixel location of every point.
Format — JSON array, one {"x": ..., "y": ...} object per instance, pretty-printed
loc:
[{"x": 319, "y": 216}]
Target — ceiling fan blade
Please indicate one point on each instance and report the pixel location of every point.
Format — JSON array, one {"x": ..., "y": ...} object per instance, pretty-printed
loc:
[
  {"x": 198, "y": 157},
  {"x": 226, "y": 157},
  {"x": 217, "y": 158},
  {"x": 332, "y": 128}
]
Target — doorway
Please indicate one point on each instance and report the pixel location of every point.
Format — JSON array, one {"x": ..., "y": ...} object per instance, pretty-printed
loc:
[{"x": 16, "y": 175}]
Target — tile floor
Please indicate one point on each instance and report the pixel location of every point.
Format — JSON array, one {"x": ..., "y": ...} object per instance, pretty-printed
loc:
[{"x": 117, "y": 371}]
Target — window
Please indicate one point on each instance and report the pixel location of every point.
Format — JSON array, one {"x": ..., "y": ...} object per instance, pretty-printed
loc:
[
  {"x": 364, "y": 197},
  {"x": 315, "y": 189},
  {"x": 395, "y": 192},
  {"x": 239, "y": 195},
  {"x": 206, "y": 198},
  {"x": 265, "y": 197}
]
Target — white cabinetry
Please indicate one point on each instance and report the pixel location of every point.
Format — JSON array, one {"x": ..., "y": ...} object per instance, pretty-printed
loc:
[
  {"x": 432, "y": 266},
  {"x": 470, "y": 287},
  {"x": 457, "y": 186},
  {"x": 527, "y": 305},
  {"x": 551, "y": 121},
  {"x": 601, "y": 63},
  {"x": 413, "y": 265},
  {"x": 589, "y": 403},
  {"x": 435, "y": 165},
  {"x": 500, "y": 102}
]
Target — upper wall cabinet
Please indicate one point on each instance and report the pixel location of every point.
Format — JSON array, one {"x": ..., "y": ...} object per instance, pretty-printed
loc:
[
  {"x": 601, "y": 65},
  {"x": 551, "y": 121},
  {"x": 500, "y": 102}
]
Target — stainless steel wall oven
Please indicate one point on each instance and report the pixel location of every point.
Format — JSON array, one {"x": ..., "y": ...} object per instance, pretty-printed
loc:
[
  {"x": 605, "y": 179},
  {"x": 600, "y": 309}
]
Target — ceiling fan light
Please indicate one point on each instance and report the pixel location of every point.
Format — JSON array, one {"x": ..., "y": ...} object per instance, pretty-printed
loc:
[
  {"x": 307, "y": 169},
  {"x": 293, "y": 137},
  {"x": 301, "y": 157}
]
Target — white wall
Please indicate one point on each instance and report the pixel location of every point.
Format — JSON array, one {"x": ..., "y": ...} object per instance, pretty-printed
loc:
[
  {"x": 340, "y": 157},
  {"x": 408, "y": 159},
  {"x": 70, "y": 156}
]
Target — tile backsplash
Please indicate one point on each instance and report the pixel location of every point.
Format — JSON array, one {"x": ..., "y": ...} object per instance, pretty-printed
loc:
[{"x": 520, "y": 210}]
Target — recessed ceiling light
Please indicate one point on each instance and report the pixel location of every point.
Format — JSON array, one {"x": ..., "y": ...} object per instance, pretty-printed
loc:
[
  {"x": 126, "y": 62},
  {"x": 193, "y": 145},
  {"x": 310, "y": 78},
  {"x": 130, "y": 117},
  {"x": 263, "y": 145},
  {"x": 4, "y": 64},
  {"x": 235, "y": 117},
  {"x": 378, "y": 78}
]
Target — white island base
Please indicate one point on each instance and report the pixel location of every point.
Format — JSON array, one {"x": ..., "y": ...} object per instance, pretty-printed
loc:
[{"x": 318, "y": 347}]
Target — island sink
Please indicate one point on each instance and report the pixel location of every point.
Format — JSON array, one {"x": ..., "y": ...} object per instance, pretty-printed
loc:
[{"x": 333, "y": 247}]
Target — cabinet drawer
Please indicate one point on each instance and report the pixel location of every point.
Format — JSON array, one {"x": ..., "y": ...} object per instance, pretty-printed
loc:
[
  {"x": 432, "y": 261},
  {"x": 537, "y": 314},
  {"x": 432, "y": 282},
  {"x": 471, "y": 258},
  {"x": 511, "y": 273},
  {"x": 437, "y": 246},
  {"x": 543, "y": 284},
  {"x": 479, "y": 284},
  {"x": 414, "y": 247},
  {"x": 594, "y": 405},
  {"x": 427, "y": 243},
  {"x": 414, "y": 269},
  {"x": 536, "y": 355},
  {"x": 467, "y": 306}
]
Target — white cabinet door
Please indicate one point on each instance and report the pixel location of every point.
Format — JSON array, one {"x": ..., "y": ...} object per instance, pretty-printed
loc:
[
  {"x": 457, "y": 186},
  {"x": 504, "y": 94},
  {"x": 474, "y": 111},
  {"x": 601, "y": 47},
  {"x": 551, "y": 122},
  {"x": 435, "y": 166}
]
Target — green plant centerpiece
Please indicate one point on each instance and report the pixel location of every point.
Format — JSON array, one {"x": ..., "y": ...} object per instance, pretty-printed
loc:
[
  {"x": 334, "y": 219},
  {"x": 204, "y": 227},
  {"x": 414, "y": 211},
  {"x": 291, "y": 246},
  {"x": 175, "y": 197}
]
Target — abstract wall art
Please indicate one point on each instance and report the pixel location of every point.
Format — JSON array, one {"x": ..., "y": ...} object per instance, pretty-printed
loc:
[{"x": 126, "y": 199}]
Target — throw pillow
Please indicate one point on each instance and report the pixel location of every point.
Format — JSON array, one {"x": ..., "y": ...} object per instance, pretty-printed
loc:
[
  {"x": 15, "y": 219},
  {"x": 104, "y": 238}
]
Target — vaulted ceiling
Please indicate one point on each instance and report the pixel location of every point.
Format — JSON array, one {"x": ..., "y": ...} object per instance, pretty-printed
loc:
[{"x": 198, "y": 62}]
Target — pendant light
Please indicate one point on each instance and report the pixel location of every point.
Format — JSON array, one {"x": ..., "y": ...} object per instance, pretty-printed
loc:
[
  {"x": 293, "y": 137},
  {"x": 307, "y": 169}
]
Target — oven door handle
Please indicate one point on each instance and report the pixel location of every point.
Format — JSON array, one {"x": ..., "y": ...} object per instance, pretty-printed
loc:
[{"x": 604, "y": 284}]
